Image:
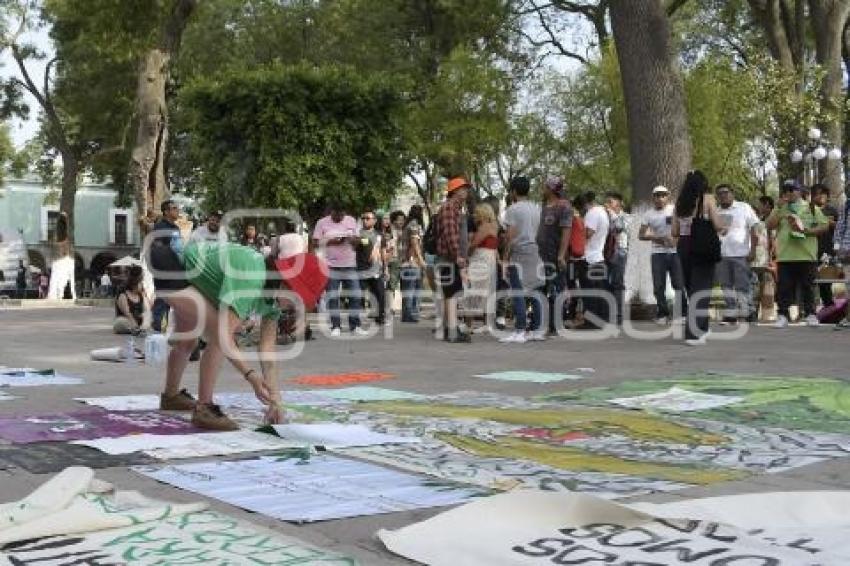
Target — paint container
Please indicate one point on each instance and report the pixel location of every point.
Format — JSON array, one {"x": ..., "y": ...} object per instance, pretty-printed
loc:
[{"x": 156, "y": 349}]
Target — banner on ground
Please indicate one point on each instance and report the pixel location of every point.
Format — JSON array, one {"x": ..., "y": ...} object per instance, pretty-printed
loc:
[{"x": 535, "y": 528}]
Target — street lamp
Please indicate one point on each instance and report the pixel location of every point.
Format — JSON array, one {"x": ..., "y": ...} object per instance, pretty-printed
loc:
[{"x": 816, "y": 149}]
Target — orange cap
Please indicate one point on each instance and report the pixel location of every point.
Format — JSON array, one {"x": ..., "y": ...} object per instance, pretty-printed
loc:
[{"x": 456, "y": 183}]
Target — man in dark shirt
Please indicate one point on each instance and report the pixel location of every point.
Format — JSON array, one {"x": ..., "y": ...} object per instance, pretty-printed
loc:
[
  {"x": 166, "y": 262},
  {"x": 553, "y": 239},
  {"x": 820, "y": 197},
  {"x": 21, "y": 280}
]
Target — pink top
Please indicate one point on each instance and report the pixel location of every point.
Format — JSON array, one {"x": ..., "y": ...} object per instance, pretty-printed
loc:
[{"x": 337, "y": 255}]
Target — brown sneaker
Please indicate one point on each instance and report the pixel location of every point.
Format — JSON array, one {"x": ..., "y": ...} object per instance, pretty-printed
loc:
[
  {"x": 210, "y": 416},
  {"x": 183, "y": 401}
]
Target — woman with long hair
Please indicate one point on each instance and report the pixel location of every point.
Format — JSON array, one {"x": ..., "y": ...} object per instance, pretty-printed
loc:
[
  {"x": 132, "y": 305},
  {"x": 696, "y": 204},
  {"x": 412, "y": 264},
  {"x": 483, "y": 250}
]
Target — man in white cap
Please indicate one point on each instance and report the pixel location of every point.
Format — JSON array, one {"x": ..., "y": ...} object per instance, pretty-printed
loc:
[{"x": 656, "y": 228}]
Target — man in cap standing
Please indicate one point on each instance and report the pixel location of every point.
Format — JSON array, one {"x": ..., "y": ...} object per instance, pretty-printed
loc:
[
  {"x": 452, "y": 249},
  {"x": 656, "y": 227},
  {"x": 798, "y": 225}
]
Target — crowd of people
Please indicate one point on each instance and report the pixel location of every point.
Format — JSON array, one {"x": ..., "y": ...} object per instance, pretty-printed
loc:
[{"x": 549, "y": 266}]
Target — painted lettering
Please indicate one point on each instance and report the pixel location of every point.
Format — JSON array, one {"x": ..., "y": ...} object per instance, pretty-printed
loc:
[
  {"x": 592, "y": 530},
  {"x": 580, "y": 554},
  {"x": 543, "y": 547},
  {"x": 630, "y": 538},
  {"x": 747, "y": 560},
  {"x": 683, "y": 553}
]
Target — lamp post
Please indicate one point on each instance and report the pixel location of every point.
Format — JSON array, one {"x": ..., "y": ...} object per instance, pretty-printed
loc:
[{"x": 816, "y": 149}]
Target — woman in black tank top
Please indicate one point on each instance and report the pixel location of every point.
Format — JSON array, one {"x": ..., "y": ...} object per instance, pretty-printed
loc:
[{"x": 132, "y": 308}]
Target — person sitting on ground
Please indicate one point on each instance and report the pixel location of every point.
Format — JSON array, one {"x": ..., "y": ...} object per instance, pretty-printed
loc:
[{"x": 132, "y": 306}]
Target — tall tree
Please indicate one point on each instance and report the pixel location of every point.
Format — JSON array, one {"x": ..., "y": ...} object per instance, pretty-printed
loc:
[
  {"x": 659, "y": 143},
  {"x": 21, "y": 18},
  {"x": 147, "y": 161},
  {"x": 787, "y": 25}
]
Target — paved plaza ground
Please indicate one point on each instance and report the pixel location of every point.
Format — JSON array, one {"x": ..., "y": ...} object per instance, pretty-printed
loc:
[{"x": 61, "y": 338}]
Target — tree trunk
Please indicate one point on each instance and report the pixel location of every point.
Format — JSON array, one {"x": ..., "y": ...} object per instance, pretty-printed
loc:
[
  {"x": 772, "y": 16},
  {"x": 147, "y": 161},
  {"x": 70, "y": 173},
  {"x": 829, "y": 18},
  {"x": 659, "y": 144}
]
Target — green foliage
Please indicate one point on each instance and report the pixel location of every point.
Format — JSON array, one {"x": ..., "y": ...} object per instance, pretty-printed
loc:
[
  {"x": 450, "y": 63},
  {"x": 462, "y": 123},
  {"x": 99, "y": 44},
  {"x": 7, "y": 151},
  {"x": 295, "y": 137},
  {"x": 724, "y": 117}
]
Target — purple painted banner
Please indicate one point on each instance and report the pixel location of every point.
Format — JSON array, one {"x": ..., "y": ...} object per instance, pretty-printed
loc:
[{"x": 88, "y": 425}]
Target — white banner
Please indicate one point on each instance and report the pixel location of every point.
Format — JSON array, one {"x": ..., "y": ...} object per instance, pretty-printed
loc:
[
  {"x": 677, "y": 400},
  {"x": 535, "y": 528}
]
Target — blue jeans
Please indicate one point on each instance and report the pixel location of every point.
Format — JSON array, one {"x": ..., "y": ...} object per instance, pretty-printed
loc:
[
  {"x": 346, "y": 279},
  {"x": 411, "y": 287},
  {"x": 159, "y": 311},
  {"x": 519, "y": 304},
  {"x": 662, "y": 265},
  {"x": 556, "y": 283}
]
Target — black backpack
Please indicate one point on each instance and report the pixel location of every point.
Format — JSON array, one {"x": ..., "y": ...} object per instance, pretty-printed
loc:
[
  {"x": 429, "y": 239},
  {"x": 364, "y": 254}
]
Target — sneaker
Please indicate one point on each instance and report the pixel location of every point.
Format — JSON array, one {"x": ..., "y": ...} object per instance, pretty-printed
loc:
[
  {"x": 515, "y": 338},
  {"x": 360, "y": 332},
  {"x": 842, "y": 325},
  {"x": 781, "y": 322},
  {"x": 660, "y": 321},
  {"x": 336, "y": 333},
  {"x": 183, "y": 401},
  {"x": 812, "y": 320},
  {"x": 501, "y": 322},
  {"x": 697, "y": 341},
  {"x": 537, "y": 336},
  {"x": 210, "y": 416}
]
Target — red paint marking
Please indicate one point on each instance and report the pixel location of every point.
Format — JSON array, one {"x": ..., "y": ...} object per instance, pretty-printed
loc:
[
  {"x": 549, "y": 434},
  {"x": 342, "y": 378}
]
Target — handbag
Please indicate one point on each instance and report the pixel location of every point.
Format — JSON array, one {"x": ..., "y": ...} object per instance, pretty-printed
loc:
[{"x": 705, "y": 243}]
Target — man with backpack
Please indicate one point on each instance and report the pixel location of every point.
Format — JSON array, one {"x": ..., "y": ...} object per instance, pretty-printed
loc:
[
  {"x": 370, "y": 266},
  {"x": 553, "y": 241},
  {"x": 452, "y": 239}
]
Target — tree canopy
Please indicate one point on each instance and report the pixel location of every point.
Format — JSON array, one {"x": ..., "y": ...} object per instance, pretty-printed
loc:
[{"x": 296, "y": 137}]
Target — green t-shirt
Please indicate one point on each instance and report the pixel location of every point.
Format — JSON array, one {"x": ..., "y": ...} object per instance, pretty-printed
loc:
[
  {"x": 791, "y": 247},
  {"x": 240, "y": 288}
]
